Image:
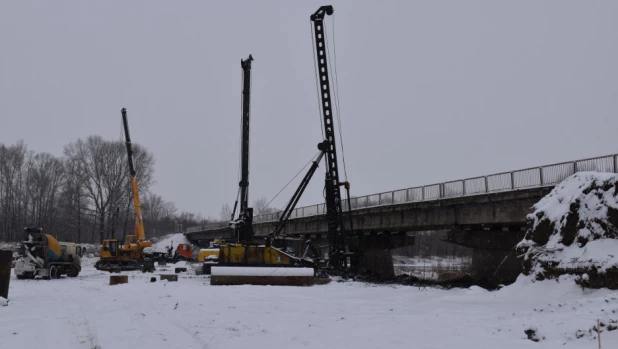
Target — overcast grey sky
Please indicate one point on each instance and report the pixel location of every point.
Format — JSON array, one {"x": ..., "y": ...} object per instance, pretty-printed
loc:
[{"x": 430, "y": 91}]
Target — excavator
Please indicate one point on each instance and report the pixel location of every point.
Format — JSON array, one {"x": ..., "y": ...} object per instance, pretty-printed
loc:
[
  {"x": 115, "y": 256},
  {"x": 284, "y": 260}
]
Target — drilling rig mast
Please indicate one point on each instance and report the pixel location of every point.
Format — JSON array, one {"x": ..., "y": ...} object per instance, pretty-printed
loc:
[
  {"x": 339, "y": 247},
  {"x": 243, "y": 226}
]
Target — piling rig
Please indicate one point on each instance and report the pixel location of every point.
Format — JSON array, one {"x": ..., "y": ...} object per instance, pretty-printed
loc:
[{"x": 342, "y": 257}]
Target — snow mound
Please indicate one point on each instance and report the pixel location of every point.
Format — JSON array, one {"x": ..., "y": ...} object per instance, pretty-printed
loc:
[
  {"x": 3, "y": 302},
  {"x": 574, "y": 230},
  {"x": 162, "y": 243}
]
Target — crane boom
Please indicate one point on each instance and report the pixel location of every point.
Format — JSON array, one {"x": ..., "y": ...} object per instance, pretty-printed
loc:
[
  {"x": 139, "y": 223},
  {"x": 334, "y": 216}
]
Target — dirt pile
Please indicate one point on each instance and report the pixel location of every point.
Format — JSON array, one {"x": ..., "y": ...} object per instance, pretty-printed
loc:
[{"x": 574, "y": 230}]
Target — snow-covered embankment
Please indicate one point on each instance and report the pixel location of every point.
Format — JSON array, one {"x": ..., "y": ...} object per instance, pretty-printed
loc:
[{"x": 574, "y": 230}]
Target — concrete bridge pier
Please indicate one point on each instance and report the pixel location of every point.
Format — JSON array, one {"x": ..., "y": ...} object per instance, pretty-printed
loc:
[
  {"x": 377, "y": 262},
  {"x": 494, "y": 259},
  {"x": 376, "y": 257}
]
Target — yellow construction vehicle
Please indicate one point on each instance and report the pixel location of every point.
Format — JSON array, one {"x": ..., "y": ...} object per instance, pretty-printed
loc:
[{"x": 130, "y": 255}]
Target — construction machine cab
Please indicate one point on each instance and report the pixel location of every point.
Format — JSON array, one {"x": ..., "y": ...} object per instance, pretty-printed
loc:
[
  {"x": 289, "y": 245},
  {"x": 110, "y": 248}
]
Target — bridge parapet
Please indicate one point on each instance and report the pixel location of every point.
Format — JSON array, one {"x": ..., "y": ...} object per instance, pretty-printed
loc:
[{"x": 534, "y": 177}]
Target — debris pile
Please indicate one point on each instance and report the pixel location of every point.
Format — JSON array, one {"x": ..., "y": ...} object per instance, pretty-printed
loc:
[{"x": 574, "y": 230}]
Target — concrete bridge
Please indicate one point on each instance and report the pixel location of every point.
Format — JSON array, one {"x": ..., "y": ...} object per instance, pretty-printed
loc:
[{"x": 486, "y": 213}]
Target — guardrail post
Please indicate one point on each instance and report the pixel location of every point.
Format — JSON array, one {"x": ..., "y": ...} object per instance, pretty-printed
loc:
[
  {"x": 615, "y": 164},
  {"x": 512, "y": 180},
  {"x": 303, "y": 212},
  {"x": 423, "y": 193},
  {"x": 392, "y": 197},
  {"x": 486, "y": 185},
  {"x": 574, "y": 167},
  {"x": 408, "y": 193},
  {"x": 541, "y": 175},
  {"x": 464, "y": 187},
  {"x": 441, "y": 186}
]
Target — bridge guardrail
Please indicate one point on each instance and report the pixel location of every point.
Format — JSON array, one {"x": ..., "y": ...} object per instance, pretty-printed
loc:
[{"x": 498, "y": 182}]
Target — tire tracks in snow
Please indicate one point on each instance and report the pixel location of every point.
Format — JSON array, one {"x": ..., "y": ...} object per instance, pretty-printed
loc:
[
  {"x": 77, "y": 319},
  {"x": 133, "y": 307}
]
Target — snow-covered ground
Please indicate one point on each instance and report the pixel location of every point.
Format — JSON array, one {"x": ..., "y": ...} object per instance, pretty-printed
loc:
[{"x": 86, "y": 312}]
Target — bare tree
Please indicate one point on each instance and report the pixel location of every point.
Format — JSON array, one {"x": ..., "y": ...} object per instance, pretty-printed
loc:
[
  {"x": 84, "y": 196},
  {"x": 44, "y": 181},
  {"x": 226, "y": 213},
  {"x": 12, "y": 199},
  {"x": 74, "y": 208},
  {"x": 159, "y": 215},
  {"x": 102, "y": 168},
  {"x": 260, "y": 206}
]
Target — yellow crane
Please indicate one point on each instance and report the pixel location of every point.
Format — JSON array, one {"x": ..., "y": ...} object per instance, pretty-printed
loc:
[{"x": 130, "y": 255}]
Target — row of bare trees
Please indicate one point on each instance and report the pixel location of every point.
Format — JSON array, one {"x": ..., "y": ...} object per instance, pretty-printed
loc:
[
  {"x": 260, "y": 206},
  {"x": 83, "y": 196}
]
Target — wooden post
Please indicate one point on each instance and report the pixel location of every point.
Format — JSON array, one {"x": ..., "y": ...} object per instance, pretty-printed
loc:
[
  {"x": 599, "y": 332},
  {"x": 118, "y": 279},
  {"x": 169, "y": 277},
  {"x": 6, "y": 257}
]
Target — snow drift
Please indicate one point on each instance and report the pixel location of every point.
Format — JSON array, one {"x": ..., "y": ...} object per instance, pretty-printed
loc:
[{"x": 574, "y": 230}]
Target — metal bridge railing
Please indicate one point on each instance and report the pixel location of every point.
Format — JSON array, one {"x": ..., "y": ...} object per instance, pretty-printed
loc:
[{"x": 521, "y": 179}]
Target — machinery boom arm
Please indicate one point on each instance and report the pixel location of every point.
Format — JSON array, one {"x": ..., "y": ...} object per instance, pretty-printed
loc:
[
  {"x": 139, "y": 223},
  {"x": 285, "y": 215}
]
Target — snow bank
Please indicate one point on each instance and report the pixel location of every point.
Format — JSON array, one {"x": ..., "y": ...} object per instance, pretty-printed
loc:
[
  {"x": 574, "y": 230},
  {"x": 162, "y": 243},
  {"x": 3, "y": 302}
]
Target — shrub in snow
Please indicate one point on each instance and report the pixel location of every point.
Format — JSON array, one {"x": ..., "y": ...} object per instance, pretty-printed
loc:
[
  {"x": 574, "y": 230},
  {"x": 531, "y": 334}
]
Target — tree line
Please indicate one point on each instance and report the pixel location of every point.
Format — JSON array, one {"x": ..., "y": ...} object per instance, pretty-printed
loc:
[{"x": 84, "y": 195}]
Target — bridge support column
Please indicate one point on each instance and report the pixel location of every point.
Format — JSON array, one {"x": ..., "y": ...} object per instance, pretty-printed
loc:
[
  {"x": 377, "y": 262},
  {"x": 495, "y": 266},
  {"x": 493, "y": 257}
]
